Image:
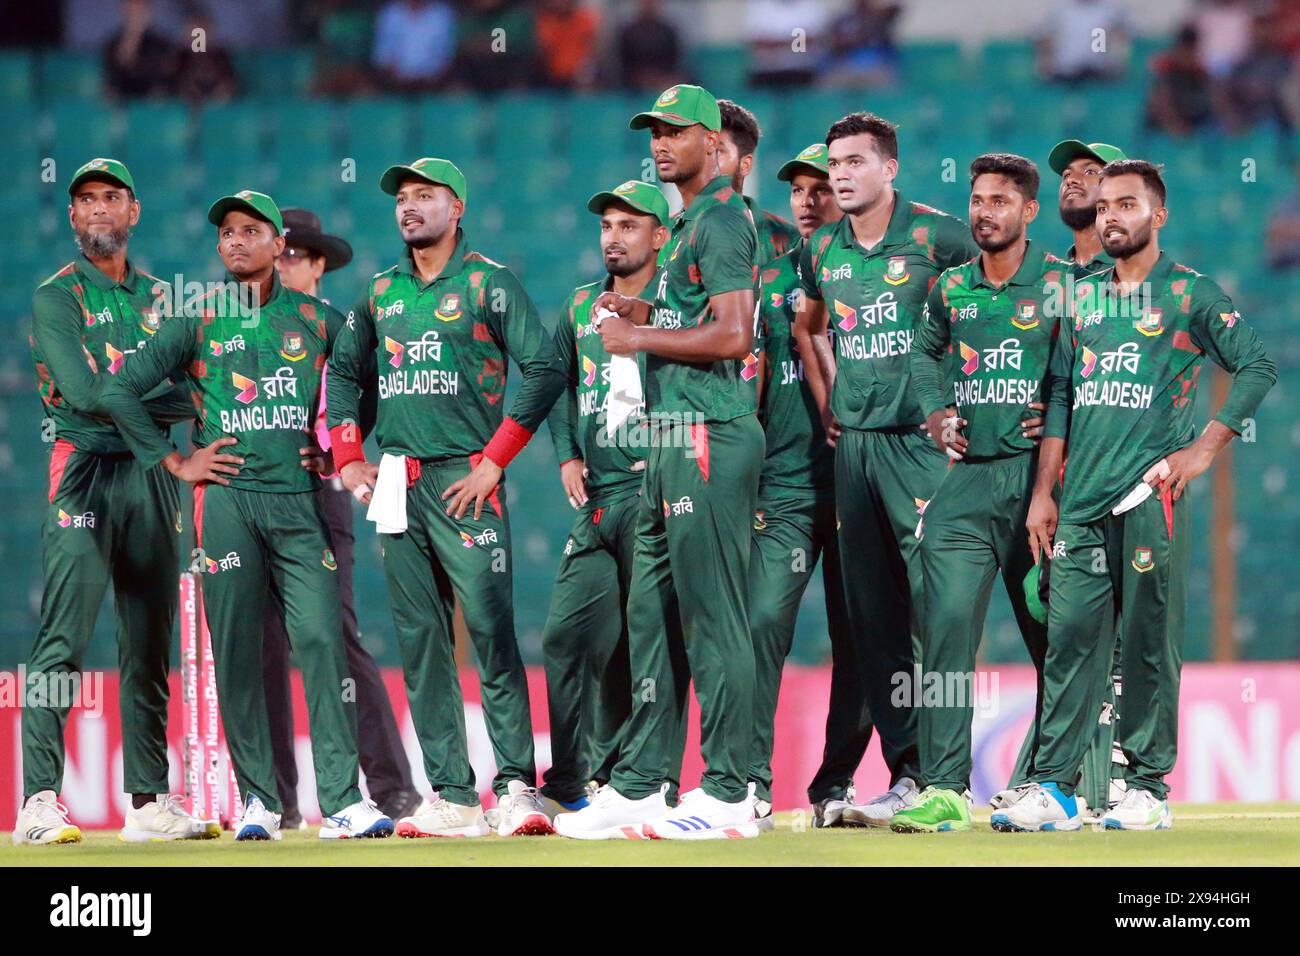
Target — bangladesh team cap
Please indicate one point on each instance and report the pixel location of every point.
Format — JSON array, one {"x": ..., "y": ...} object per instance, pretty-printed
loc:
[
  {"x": 1037, "y": 587},
  {"x": 431, "y": 170},
  {"x": 104, "y": 169},
  {"x": 682, "y": 105},
  {"x": 259, "y": 204},
  {"x": 643, "y": 197},
  {"x": 815, "y": 157},
  {"x": 1068, "y": 150}
]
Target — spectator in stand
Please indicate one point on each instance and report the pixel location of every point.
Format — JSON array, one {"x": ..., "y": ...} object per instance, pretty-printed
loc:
[
  {"x": 649, "y": 50},
  {"x": 415, "y": 44},
  {"x": 1261, "y": 86},
  {"x": 204, "y": 73},
  {"x": 1179, "y": 100},
  {"x": 863, "y": 51},
  {"x": 566, "y": 42},
  {"x": 783, "y": 37},
  {"x": 344, "y": 39},
  {"x": 138, "y": 60},
  {"x": 490, "y": 61},
  {"x": 1284, "y": 232},
  {"x": 1070, "y": 48}
]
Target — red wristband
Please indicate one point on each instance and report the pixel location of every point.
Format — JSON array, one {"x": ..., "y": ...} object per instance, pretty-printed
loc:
[
  {"x": 508, "y": 441},
  {"x": 346, "y": 447}
]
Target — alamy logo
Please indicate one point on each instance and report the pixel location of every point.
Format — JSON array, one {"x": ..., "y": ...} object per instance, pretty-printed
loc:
[{"x": 73, "y": 909}]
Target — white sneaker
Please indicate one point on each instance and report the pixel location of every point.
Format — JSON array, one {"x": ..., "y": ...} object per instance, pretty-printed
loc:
[
  {"x": 520, "y": 812},
  {"x": 1139, "y": 810},
  {"x": 1043, "y": 808},
  {"x": 442, "y": 818},
  {"x": 361, "y": 819},
  {"x": 44, "y": 820},
  {"x": 612, "y": 816},
  {"x": 258, "y": 823},
  {"x": 878, "y": 811},
  {"x": 166, "y": 819},
  {"x": 702, "y": 817}
]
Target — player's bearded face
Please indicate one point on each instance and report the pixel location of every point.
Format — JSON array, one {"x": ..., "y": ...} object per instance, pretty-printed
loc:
[
  {"x": 680, "y": 152},
  {"x": 998, "y": 212},
  {"x": 1125, "y": 216},
  {"x": 626, "y": 240},
  {"x": 424, "y": 213},
  {"x": 102, "y": 216},
  {"x": 248, "y": 245},
  {"x": 859, "y": 173},
  {"x": 812, "y": 203},
  {"x": 1080, "y": 186}
]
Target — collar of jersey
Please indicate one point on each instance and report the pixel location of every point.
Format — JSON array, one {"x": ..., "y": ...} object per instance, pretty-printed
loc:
[
  {"x": 897, "y": 233},
  {"x": 1096, "y": 263},
  {"x": 1158, "y": 277},
  {"x": 101, "y": 280},
  {"x": 454, "y": 265},
  {"x": 710, "y": 191},
  {"x": 1031, "y": 268},
  {"x": 276, "y": 287}
]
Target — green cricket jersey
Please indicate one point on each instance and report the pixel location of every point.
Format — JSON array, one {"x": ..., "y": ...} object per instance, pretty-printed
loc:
[
  {"x": 441, "y": 349},
  {"x": 84, "y": 326},
  {"x": 578, "y": 419},
  {"x": 255, "y": 378},
  {"x": 874, "y": 300},
  {"x": 985, "y": 349},
  {"x": 713, "y": 250},
  {"x": 1096, "y": 264},
  {"x": 776, "y": 236},
  {"x": 798, "y": 461},
  {"x": 1124, "y": 379}
]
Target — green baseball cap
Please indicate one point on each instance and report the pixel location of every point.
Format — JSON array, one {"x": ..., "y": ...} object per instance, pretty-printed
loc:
[
  {"x": 815, "y": 157},
  {"x": 102, "y": 168},
  {"x": 1068, "y": 150},
  {"x": 259, "y": 204},
  {"x": 643, "y": 197},
  {"x": 682, "y": 105},
  {"x": 1036, "y": 589},
  {"x": 431, "y": 170}
]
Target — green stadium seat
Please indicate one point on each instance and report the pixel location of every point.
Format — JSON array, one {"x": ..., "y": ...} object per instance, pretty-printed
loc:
[
  {"x": 69, "y": 73},
  {"x": 17, "y": 67}
]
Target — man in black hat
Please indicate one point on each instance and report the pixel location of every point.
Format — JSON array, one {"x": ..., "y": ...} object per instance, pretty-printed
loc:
[{"x": 308, "y": 254}]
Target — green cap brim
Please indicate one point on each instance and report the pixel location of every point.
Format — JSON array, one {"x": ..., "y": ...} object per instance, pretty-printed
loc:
[
  {"x": 643, "y": 120},
  {"x": 794, "y": 167},
  {"x": 1068, "y": 150},
  {"x": 102, "y": 170},
  {"x": 217, "y": 212},
  {"x": 394, "y": 176},
  {"x": 598, "y": 202}
]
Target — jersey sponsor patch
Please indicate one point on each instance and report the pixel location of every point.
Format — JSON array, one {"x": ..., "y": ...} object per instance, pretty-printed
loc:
[
  {"x": 847, "y": 316},
  {"x": 395, "y": 350},
  {"x": 970, "y": 359},
  {"x": 750, "y": 367},
  {"x": 247, "y": 388}
]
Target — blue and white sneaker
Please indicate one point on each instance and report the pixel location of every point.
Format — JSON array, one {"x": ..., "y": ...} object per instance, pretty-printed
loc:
[
  {"x": 1139, "y": 810},
  {"x": 1043, "y": 807},
  {"x": 361, "y": 819},
  {"x": 701, "y": 817},
  {"x": 258, "y": 823}
]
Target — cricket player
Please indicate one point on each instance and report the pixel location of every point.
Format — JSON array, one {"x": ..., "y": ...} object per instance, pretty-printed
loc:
[
  {"x": 740, "y": 136},
  {"x": 687, "y": 608},
  {"x": 253, "y": 352},
  {"x": 109, "y": 518},
  {"x": 440, "y": 324},
  {"x": 869, "y": 275},
  {"x": 584, "y": 643},
  {"x": 794, "y": 525},
  {"x": 1122, "y": 405},
  {"x": 1079, "y": 165},
  {"x": 309, "y": 254},
  {"x": 978, "y": 364}
]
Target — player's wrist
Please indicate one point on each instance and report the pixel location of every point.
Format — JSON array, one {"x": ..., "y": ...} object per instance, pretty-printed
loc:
[
  {"x": 508, "y": 441},
  {"x": 346, "y": 446}
]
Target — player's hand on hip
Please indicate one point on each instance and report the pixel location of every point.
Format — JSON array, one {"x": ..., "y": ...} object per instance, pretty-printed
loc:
[
  {"x": 945, "y": 428},
  {"x": 359, "y": 477},
  {"x": 477, "y": 487},
  {"x": 1032, "y": 426},
  {"x": 1184, "y": 465},
  {"x": 206, "y": 464},
  {"x": 319, "y": 461},
  {"x": 573, "y": 474},
  {"x": 1041, "y": 524}
]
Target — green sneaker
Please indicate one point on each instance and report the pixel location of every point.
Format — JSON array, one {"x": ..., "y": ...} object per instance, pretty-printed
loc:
[{"x": 935, "y": 811}]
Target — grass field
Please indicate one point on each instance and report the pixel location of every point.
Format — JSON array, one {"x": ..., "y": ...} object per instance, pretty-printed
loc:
[{"x": 1205, "y": 834}]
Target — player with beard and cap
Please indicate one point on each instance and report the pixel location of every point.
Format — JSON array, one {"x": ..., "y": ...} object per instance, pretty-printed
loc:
[
  {"x": 1123, "y": 401},
  {"x": 440, "y": 325},
  {"x": 253, "y": 352},
  {"x": 869, "y": 274},
  {"x": 584, "y": 642},
  {"x": 1079, "y": 165},
  {"x": 979, "y": 365},
  {"x": 686, "y": 611},
  {"x": 794, "y": 525},
  {"x": 309, "y": 253},
  {"x": 109, "y": 518}
]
